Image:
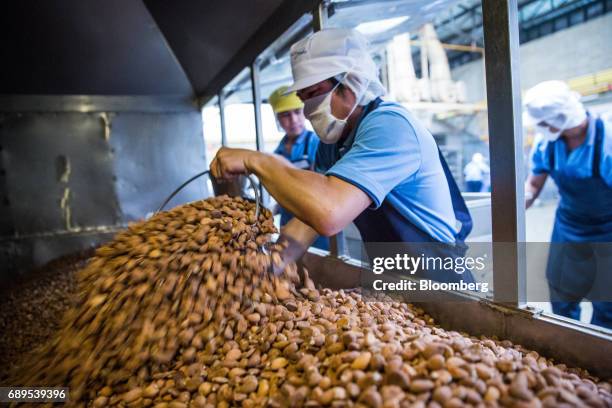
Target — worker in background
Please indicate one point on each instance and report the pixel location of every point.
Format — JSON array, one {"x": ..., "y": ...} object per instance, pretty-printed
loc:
[
  {"x": 299, "y": 145},
  {"x": 476, "y": 174},
  {"x": 377, "y": 165},
  {"x": 574, "y": 147}
]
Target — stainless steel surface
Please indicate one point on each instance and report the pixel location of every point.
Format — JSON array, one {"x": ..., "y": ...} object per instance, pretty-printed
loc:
[
  {"x": 86, "y": 47},
  {"x": 479, "y": 205},
  {"x": 59, "y": 172},
  {"x": 96, "y": 103},
  {"x": 551, "y": 337},
  {"x": 206, "y": 35},
  {"x": 253, "y": 44},
  {"x": 136, "y": 47},
  {"x": 506, "y": 146},
  {"x": 152, "y": 155},
  {"x": 66, "y": 172}
]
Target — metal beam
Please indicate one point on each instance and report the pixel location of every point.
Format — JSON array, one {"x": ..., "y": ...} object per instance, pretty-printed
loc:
[
  {"x": 319, "y": 16},
  {"x": 221, "y": 102},
  {"x": 256, "y": 89},
  {"x": 501, "y": 40}
]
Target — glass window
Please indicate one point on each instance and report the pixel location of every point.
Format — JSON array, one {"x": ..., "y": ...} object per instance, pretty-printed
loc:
[
  {"x": 273, "y": 76},
  {"x": 239, "y": 113},
  {"x": 211, "y": 120},
  {"x": 546, "y": 28},
  {"x": 561, "y": 277},
  {"x": 560, "y": 23},
  {"x": 595, "y": 9}
]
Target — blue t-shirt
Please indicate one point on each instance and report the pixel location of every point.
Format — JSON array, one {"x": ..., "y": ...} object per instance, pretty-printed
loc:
[
  {"x": 307, "y": 141},
  {"x": 394, "y": 158},
  {"x": 579, "y": 162}
]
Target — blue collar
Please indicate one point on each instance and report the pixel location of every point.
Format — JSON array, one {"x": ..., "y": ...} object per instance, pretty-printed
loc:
[{"x": 300, "y": 139}]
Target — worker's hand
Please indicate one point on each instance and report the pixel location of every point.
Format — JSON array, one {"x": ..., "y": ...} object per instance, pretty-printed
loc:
[
  {"x": 230, "y": 163},
  {"x": 292, "y": 250}
]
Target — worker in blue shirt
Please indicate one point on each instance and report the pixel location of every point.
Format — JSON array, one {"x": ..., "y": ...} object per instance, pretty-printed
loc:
[
  {"x": 476, "y": 174},
  {"x": 299, "y": 145},
  {"x": 377, "y": 165},
  {"x": 574, "y": 147}
]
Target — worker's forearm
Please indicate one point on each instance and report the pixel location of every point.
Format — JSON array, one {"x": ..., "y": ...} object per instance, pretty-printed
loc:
[
  {"x": 301, "y": 192},
  {"x": 299, "y": 232}
]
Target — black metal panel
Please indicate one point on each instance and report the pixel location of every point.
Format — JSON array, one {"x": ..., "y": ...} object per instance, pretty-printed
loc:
[
  {"x": 110, "y": 47},
  {"x": 58, "y": 172},
  {"x": 6, "y": 220},
  {"x": 206, "y": 35},
  {"x": 214, "y": 41},
  {"x": 19, "y": 256},
  {"x": 96, "y": 103},
  {"x": 153, "y": 154}
]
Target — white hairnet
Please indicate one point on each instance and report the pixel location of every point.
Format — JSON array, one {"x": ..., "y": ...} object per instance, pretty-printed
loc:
[
  {"x": 364, "y": 89},
  {"x": 555, "y": 103},
  {"x": 331, "y": 52},
  {"x": 478, "y": 157}
]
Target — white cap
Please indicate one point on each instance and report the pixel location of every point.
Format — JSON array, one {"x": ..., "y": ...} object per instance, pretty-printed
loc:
[
  {"x": 554, "y": 103},
  {"x": 331, "y": 52}
]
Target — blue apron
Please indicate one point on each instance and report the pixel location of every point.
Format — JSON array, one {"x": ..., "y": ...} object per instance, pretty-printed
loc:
[
  {"x": 386, "y": 224},
  {"x": 583, "y": 222}
]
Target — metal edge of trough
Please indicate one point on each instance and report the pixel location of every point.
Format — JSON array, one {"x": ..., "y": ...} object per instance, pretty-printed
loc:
[
  {"x": 553, "y": 337},
  {"x": 97, "y": 103}
]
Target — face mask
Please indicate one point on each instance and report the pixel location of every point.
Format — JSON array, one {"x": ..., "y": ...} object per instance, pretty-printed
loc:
[
  {"x": 548, "y": 135},
  {"x": 327, "y": 126},
  {"x": 557, "y": 123}
]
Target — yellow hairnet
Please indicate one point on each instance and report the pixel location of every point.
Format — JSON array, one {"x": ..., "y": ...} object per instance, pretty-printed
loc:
[{"x": 282, "y": 103}]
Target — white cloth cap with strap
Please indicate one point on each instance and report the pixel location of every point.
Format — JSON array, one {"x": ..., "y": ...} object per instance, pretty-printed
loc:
[
  {"x": 555, "y": 103},
  {"x": 331, "y": 52}
]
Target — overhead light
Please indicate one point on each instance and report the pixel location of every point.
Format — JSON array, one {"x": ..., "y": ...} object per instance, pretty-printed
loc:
[{"x": 380, "y": 26}]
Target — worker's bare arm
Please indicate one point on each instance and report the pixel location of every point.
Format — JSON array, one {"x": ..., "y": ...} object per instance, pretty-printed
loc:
[
  {"x": 325, "y": 203},
  {"x": 296, "y": 237},
  {"x": 533, "y": 187}
]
